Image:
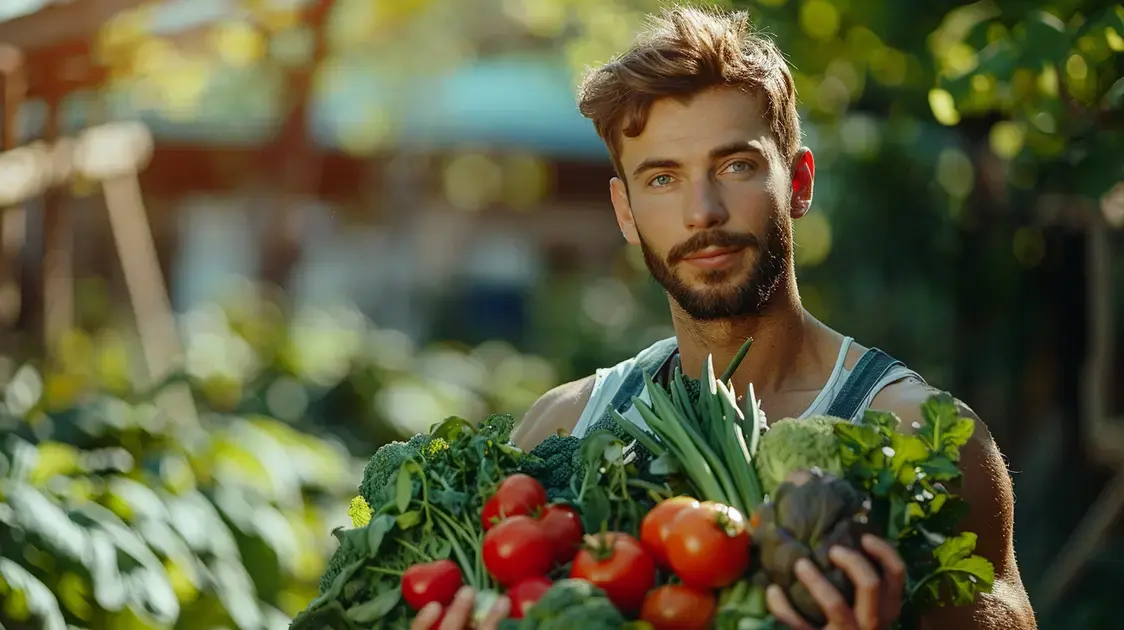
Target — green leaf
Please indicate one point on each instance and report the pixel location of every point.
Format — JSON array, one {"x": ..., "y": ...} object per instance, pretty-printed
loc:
[
  {"x": 404, "y": 490},
  {"x": 665, "y": 464},
  {"x": 596, "y": 446},
  {"x": 940, "y": 468},
  {"x": 409, "y": 519},
  {"x": 376, "y": 608},
  {"x": 377, "y": 530},
  {"x": 908, "y": 451},
  {"x": 959, "y": 573},
  {"x": 595, "y": 509},
  {"x": 944, "y": 430},
  {"x": 451, "y": 428}
]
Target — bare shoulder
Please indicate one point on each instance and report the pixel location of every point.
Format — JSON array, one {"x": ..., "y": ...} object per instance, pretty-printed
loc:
[
  {"x": 557, "y": 409},
  {"x": 988, "y": 491}
]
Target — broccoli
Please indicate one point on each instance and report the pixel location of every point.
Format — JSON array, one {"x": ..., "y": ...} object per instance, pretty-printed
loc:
[
  {"x": 498, "y": 427},
  {"x": 572, "y": 604},
  {"x": 385, "y": 463},
  {"x": 553, "y": 463}
]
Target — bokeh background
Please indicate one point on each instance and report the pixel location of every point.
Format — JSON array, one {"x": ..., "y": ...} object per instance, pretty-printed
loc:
[{"x": 244, "y": 242}]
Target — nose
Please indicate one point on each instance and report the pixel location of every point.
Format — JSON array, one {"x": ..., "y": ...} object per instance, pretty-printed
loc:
[{"x": 704, "y": 208}]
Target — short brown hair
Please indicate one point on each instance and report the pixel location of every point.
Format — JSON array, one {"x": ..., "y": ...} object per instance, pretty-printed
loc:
[{"x": 683, "y": 52}]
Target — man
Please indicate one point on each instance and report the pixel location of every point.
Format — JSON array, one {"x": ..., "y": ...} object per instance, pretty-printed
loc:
[{"x": 701, "y": 124}]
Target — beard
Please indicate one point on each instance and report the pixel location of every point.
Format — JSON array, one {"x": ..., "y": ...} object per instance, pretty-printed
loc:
[{"x": 721, "y": 293}]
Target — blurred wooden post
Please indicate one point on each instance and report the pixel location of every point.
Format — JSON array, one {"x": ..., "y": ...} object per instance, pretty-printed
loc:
[
  {"x": 113, "y": 154},
  {"x": 57, "y": 279},
  {"x": 1102, "y": 433},
  {"x": 298, "y": 161},
  {"x": 13, "y": 221}
]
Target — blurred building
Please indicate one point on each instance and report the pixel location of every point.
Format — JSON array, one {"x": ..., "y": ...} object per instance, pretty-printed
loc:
[{"x": 295, "y": 144}]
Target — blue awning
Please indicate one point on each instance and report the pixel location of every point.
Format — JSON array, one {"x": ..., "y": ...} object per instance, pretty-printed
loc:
[{"x": 522, "y": 102}]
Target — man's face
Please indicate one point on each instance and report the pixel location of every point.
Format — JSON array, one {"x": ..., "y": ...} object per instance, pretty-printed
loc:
[{"x": 708, "y": 201}]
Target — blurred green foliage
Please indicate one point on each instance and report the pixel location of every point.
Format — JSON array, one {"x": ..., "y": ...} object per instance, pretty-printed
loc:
[{"x": 112, "y": 516}]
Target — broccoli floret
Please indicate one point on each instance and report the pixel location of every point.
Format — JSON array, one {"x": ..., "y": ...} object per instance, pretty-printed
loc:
[
  {"x": 498, "y": 427},
  {"x": 553, "y": 463},
  {"x": 573, "y": 604},
  {"x": 385, "y": 463}
]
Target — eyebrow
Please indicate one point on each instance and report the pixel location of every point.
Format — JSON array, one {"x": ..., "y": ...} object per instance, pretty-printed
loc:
[{"x": 717, "y": 153}]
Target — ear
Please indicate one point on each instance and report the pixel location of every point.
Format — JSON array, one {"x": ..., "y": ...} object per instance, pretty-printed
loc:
[
  {"x": 618, "y": 192},
  {"x": 803, "y": 178}
]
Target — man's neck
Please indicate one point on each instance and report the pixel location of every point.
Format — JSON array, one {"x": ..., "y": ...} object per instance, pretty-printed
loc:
[{"x": 782, "y": 335}]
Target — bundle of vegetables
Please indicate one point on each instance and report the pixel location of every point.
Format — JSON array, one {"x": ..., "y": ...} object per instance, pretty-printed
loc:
[
  {"x": 828, "y": 483},
  {"x": 687, "y": 536},
  {"x": 459, "y": 506}
]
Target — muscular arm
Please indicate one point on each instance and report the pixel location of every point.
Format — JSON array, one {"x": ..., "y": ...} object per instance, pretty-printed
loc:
[
  {"x": 987, "y": 489},
  {"x": 558, "y": 409}
]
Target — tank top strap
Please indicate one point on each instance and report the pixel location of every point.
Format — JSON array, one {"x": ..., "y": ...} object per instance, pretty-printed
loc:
[
  {"x": 649, "y": 362},
  {"x": 866, "y": 379},
  {"x": 615, "y": 387}
]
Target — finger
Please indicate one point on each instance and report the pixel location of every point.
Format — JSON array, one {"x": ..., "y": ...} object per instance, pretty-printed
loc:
[
  {"x": 781, "y": 610},
  {"x": 459, "y": 613},
  {"x": 497, "y": 613},
  {"x": 835, "y": 608},
  {"x": 868, "y": 597},
  {"x": 893, "y": 571},
  {"x": 427, "y": 617}
]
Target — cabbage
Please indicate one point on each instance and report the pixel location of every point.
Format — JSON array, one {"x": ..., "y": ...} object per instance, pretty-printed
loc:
[{"x": 795, "y": 444}]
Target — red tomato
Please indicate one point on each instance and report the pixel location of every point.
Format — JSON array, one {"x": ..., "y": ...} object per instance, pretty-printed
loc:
[
  {"x": 657, "y": 524},
  {"x": 676, "y": 607},
  {"x": 564, "y": 528},
  {"x": 431, "y": 582},
  {"x": 526, "y": 593},
  {"x": 516, "y": 495},
  {"x": 708, "y": 546},
  {"x": 517, "y": 548},
  {"x": 618, "y": 564}
]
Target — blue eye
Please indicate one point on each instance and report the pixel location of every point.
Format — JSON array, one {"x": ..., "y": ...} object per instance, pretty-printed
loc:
[
  {"x": 660, "y": 180},
  {"x": 741, "y": 166}
]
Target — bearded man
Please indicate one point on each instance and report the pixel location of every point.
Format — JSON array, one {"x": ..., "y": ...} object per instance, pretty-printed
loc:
[{"x": 700, "y": 121}]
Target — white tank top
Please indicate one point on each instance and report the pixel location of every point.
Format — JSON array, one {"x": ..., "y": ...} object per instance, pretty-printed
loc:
[{"x": 609, "y": 381}]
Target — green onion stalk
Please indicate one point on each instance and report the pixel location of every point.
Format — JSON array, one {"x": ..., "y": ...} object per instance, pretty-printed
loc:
[{"x": 712, "y": 440}]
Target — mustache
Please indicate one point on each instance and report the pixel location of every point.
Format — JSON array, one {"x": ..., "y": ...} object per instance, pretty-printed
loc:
[{"x": 702, "y": 240}]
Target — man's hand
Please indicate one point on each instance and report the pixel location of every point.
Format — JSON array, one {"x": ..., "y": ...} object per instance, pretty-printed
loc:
[
  {"x": 877, "y": 600},
  {"x": 459, "y": 614}
]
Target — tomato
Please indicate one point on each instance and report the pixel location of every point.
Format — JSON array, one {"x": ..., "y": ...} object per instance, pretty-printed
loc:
[
  {"x": 564, "y": 528},
  {"x": 431, "y": 582},
  {"x": 657, "y": 524},
  {"x": 708, "y": 546},
  {"x": 618, "y": 564},
  {"x": 516, "y": 495},
  {"x": 677, "y": 607},
  {"x": 526, "y": 593},
  {"x": 517, "y": 548}
]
